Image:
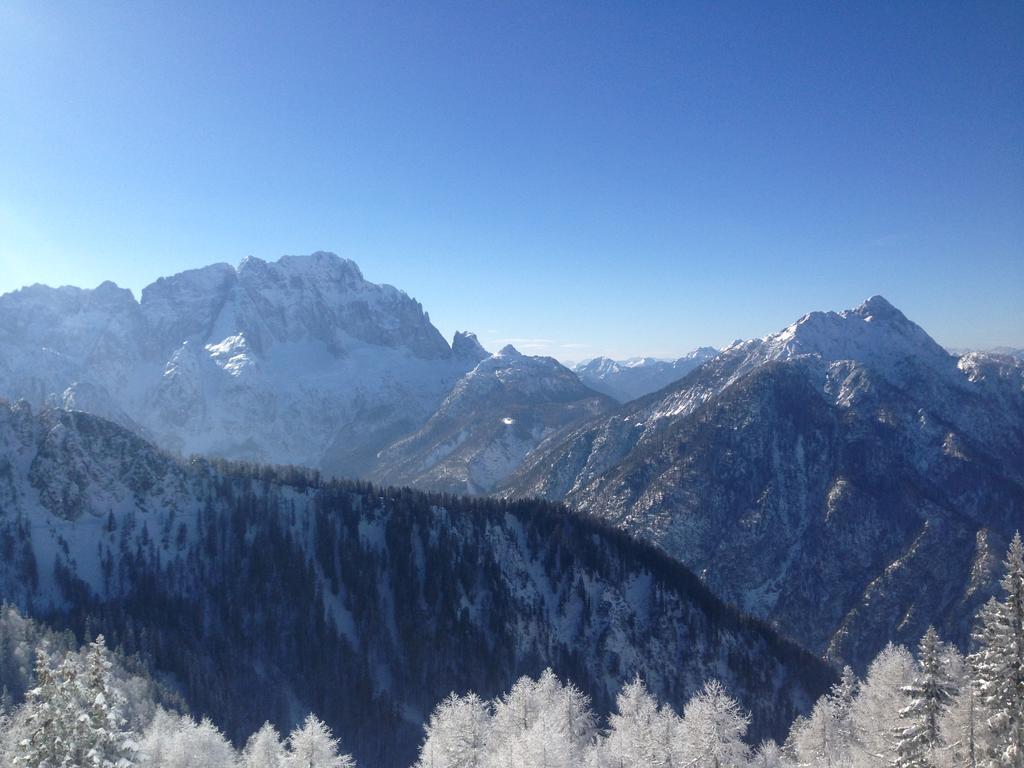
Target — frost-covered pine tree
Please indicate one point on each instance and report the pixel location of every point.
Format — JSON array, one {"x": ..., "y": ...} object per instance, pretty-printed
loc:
[
  {"x": 264, "y": 749},
  {"x": 960, "y": 730},
  {"x": 72, "y": 717},
  {"x": 179, "y": 742},
  {"x": 158, "y": 742},
  {"x": 515, "y": 713},
  {"x": 826, "y": 737},
  {"x": 768, "y": 755},
  {"x": 540, "y": 724},
  {"x": 842, "y": 697},
  {"x": 52, "y": 720},
  {"x": 564, "y": 728},
  {"x": 998, "y": 667},
  {"x": 928, "y": 696},
  {"x": 633, "y": 731},
  {"x": 670, "y": 747},
  {"x": 713, "y": 729},
  {"x": 311, "y": 745},
  {"x": 104, "y": 739},
  {"x": 877, "y": 706},
  {"x": 456, "y": 735},
  {"x": 6, "y": 728}
]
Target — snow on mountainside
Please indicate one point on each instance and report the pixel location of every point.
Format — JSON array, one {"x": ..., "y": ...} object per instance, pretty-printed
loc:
[
  {"x": 993, "y": 351},
  {"x": 297, "y": 361},
  {"x": 845, "y": 477},
  {"x": 627, "y": 380},
  {"x": 264, "y": 594},
  {"x": 494, "y": 417}
]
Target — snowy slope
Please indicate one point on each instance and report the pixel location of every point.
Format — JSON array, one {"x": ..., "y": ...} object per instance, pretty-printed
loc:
[
  {"x": 493, "y": 419},
  {"x": 845, "y": 477}
]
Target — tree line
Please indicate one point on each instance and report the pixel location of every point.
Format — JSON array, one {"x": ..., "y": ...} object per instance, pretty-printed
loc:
[{"x": 932, "y": 709}]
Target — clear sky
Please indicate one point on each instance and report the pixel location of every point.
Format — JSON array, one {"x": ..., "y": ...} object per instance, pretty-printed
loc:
[{"x": 623, "y": 178}]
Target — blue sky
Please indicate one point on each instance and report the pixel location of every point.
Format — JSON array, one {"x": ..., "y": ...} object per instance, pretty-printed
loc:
[{"x": 621, "y": 178}]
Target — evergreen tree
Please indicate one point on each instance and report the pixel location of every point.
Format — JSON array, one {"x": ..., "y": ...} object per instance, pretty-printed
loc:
[
  {"x": 264, "y": 749},
  {"x": 930, "y": 694},
  {"x": 456, "y": 734},
  {"x": 826, "y": 737},
  {"x": 106, "y": 742},
  {"x": 960, "y": 730},
  {"x": 632, "y": 740},
  {"x": 877, "y": 705},
  {"x": 56, "y": 725},
  {"x": 998, "y": 667},
  {"x": 565, "y": 728},
  {"x": 311, "y": 745},
  {"x": 713, "y": 727},
  {"x": 768, "y": 755}
]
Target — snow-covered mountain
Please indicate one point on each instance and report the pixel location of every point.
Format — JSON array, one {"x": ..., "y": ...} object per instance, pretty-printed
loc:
[
  {"x": 993, "y": 351},
  {"x": 298, "y": 361},
  {"x": 492, "y": 420},
  {"x": 264, "y": 594},
  {"x": 846, "y": 477},
  {"x": 627, "y": 380}
]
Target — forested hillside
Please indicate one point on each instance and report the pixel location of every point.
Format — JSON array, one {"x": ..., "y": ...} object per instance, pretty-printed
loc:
[
  {"x": 265, "y": 593},
  {"x": 931, "y": 709}
]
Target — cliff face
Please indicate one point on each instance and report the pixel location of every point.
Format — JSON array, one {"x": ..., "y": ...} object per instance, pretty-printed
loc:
[{"x": 299, "y": 361}]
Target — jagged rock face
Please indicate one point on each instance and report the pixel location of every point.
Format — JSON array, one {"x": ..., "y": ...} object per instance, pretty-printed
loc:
[
  {"x": 466, "y": 345},
  {"x": 493, "y": 419},
  {"x": 298, "y": 361},
  {"x": 52, "y": 337},
  {"x": 266, "y": 594},
  {"x": 186, "y": 306},
  {"x": 626, "y": 380},
  {"x": 298, "y": 299},
  {"x": 845, "y": 478}
]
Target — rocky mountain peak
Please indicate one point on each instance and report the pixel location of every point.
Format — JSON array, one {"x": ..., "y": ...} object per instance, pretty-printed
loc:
[
  {"x": 875, "y": 334},
  {"x": 878, "y": 307},
  {"x": 185, "y": 305},
  {"x": 322, "y": 267},
  {"x": 700, "y": 353},
  {"x": 509, "y": 351},
  {"x": 270, "y": 359},
  {"x": 465, "y": 345},
  {"x": 110, "y": 293}
]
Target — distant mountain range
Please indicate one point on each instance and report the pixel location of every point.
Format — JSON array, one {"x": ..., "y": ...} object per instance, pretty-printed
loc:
[
  {"x": 1003, "y": 351},
  {"x": 300, "y": 361},
  {"x": 845, "y": 478},
  {"x": 627, "y": 380}
]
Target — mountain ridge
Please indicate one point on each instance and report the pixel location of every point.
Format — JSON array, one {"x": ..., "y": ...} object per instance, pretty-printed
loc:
[
  {"x": 495, "y": 416},
  {"x": 627, "y": 380},
  {"x": 296, "y": 361},
  {"x": 266, "y": 592},
  {"x": 770, "y": 455}
]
